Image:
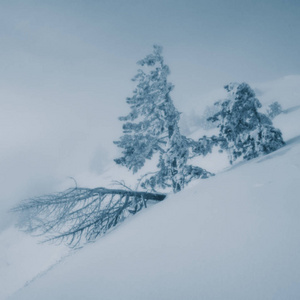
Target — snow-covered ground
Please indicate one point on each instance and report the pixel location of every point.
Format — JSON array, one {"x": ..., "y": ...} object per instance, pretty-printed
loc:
[
  {"x": 233, "y": 236},
  {"x": 22, "y": 259}
]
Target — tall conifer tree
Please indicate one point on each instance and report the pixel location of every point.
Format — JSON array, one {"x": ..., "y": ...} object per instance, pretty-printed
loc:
[{"x": 152, "y": 126}]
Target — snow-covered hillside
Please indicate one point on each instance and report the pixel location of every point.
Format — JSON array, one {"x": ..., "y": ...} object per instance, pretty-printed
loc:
[
  {"x": 233, "y": 236},
  {"x": 22, "y": 259}
]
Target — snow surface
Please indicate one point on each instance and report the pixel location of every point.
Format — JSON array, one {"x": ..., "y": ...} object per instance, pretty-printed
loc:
[
  {"x": 233, "y": 236},
  {"x": 22, "y": 259}
]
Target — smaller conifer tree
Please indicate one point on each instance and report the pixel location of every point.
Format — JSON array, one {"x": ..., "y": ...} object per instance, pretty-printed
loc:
[
  {"x": 274, "y": 110},
  {"x": 245, "y": 132}
]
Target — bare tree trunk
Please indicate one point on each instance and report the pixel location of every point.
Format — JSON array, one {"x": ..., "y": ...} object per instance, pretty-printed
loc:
[
  {"x": 137, "y": 194},
  {"x": 80, "y": 215}
]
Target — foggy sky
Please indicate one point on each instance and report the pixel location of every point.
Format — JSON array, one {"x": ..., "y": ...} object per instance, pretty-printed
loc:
[{"x": 66, "y": 68}]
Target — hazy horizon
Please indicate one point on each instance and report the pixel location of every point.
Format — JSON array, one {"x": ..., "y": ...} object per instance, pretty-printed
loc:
[{"x": 67, "y": 66}]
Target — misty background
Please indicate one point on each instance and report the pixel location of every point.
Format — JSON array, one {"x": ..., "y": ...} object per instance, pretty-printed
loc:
[{"x": 66, "y": 69}]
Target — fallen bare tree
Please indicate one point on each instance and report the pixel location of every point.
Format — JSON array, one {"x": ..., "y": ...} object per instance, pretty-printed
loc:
[{"x": 80, "y": 215}]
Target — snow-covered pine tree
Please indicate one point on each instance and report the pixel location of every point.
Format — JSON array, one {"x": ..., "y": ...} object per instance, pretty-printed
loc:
[
  {"x": 274, "y": 110},
  {"x": 245, "y": 132},
  {"x": 174, "y": 170},
  {"x": 152, "y": 127}
]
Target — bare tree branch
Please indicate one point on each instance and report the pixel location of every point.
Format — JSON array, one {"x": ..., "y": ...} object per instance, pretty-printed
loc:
[{"x": 80, "y": 215}]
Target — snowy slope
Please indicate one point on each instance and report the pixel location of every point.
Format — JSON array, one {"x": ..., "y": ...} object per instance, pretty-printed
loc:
[
  {"x": 22, "y": 259},
  {"x": 233, "y": 236}
]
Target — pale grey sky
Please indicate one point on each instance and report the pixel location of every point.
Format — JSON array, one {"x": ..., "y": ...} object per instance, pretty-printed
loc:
[{"x": 85, "y": 48}]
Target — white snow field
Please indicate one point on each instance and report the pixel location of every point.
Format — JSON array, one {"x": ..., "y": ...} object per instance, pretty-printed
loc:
[
  {"x": 233, "y": 236},
  {"x": 22, "y": 259}
]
